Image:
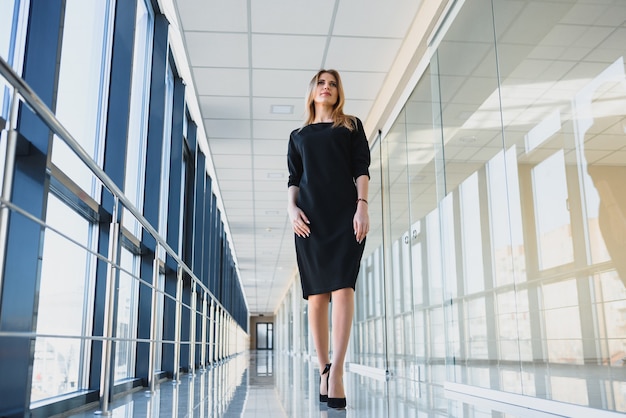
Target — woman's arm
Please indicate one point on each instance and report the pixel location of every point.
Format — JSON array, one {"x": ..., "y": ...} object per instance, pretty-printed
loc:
[
  {"x": 361, "y": 221},
  {"x": 298, "y": 218}
]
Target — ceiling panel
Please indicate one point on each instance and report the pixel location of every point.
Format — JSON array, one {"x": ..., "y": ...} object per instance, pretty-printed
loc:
[
  {"x": 287, "y": 51},
  {"x": 209, "y": 49},
  {"x": 262, "y": 108},
  {"x": 228, "y": 128},
  {"x": 355, "y": 54},
  {"x": 362, "y": 85},
  {"x": 281, "y": 83},
  {"x": 272, "y": 147},
  {"x": 221, "y": 81},
  {"x": 292, "y": 17},
  {"x": 235, "y": 174},
  {"x": 231, "y": 15},
  {"x": 233, "y": 161},
  {"x": 273, "y": 129},
  {"x": 225, "y": 107},
  {"x": 383, "y": 19},
  {"x": 231, "y": 146}
]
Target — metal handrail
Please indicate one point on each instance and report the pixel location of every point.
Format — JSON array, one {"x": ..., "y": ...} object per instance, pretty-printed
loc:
[{"x": 42, "y": 110}]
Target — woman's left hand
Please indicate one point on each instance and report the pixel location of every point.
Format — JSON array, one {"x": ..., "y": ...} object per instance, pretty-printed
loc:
[{"x": 361, "y": 222}]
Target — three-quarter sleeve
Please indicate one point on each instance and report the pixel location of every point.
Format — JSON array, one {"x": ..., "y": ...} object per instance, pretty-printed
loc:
[
  {"x": 360, "y": 152},
  {"x": 294, "y": 163}
]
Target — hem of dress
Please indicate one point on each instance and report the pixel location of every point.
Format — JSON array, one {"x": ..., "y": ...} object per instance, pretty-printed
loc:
[{"x": 323, "y": 292}]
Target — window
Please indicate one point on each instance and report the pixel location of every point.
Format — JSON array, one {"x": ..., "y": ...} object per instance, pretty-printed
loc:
[
  {"x": 127, "y": 291},
  {"x": 165, "y": 155},
  {"x": 64, "y": 303},
  {"x": 82, "y": 86},
  {"x": 12, "y": 24},
  {"x": 138, "y": 118},
  {"x": 471, "y": 235},
  {"x": 554, "y": 235}
]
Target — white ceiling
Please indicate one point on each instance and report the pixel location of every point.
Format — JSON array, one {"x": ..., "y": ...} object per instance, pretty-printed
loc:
[{"x": 246, "y": 56}]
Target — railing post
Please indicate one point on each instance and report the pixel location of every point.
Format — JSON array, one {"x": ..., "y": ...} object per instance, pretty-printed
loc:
[
  {"x": 177, "y": 325},
  {"x": 203, "y": 325},
  {"x": 192, "y": 330},
  {"x": 212, "y": 331},
  {"x": 220, "y": 340},
  {"x": 218, "y": 337},
  {"x": 109, "y": 307},
  {"x": 154, "y": 320},
  {"x": 7, "y": 181}
]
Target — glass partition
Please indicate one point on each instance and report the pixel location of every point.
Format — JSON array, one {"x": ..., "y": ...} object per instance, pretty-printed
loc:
[
  {"x": 502, "y": 173},
  {"x": 368, "y": 338},
  {"x": 563, "y": 90}
]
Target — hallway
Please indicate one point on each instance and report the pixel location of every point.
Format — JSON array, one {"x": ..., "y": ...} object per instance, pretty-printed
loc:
[
  {"x": 144, "y": 234},
  {"x": 264, "y": 384}
]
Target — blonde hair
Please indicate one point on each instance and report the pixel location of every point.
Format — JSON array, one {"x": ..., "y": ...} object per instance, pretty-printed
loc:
[{"x": 339, "y": 118}]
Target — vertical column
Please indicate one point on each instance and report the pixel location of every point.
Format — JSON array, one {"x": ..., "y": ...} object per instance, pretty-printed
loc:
[
  {"x": 199, "y": 240},
  {"x": 114, "y": 165},
  {"x": 152, "y": 190},
  {"x": 174, "y": 201}
]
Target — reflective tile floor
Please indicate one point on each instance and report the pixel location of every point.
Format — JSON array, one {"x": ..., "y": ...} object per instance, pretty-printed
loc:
[{"x": 264, "y": 384}]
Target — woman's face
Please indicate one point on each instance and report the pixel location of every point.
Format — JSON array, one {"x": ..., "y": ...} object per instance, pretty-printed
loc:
[{"x": 326, "y": 92}]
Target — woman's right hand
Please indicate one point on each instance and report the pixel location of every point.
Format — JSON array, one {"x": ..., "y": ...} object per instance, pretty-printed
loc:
[{"x": 299, "y": 221}]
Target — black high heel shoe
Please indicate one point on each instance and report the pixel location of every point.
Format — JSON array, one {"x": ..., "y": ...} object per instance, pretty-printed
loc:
[
  {"x": 324, "y": 398},
  {"x": 335, "y": 403}
]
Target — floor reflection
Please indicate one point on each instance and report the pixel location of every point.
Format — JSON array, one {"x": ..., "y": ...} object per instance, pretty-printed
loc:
[{"x": 263, "y": 384}]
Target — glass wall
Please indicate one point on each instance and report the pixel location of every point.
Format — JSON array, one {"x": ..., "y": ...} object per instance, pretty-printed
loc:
[
  {"x": 563, "y": 99},
  {"x": 368, "y": 343},
  {"x": 497, "y": 259},
  {"x": 523, "y": 248}
]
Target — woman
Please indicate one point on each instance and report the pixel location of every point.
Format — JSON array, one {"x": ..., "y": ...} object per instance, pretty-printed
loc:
[{"x": 328, "y": 160}]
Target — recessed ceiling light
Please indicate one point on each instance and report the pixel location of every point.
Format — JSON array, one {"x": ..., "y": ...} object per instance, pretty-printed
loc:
[{"x": 282, "y": 109}]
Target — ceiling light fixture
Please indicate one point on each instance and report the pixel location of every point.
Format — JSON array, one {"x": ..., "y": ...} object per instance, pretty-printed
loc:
[{"x": 282, "y": 109}]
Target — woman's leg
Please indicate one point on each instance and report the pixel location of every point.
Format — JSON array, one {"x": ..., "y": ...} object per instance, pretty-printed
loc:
[
  {"x": 342, "y": 313},
  {"x": 318, "y": 325}
]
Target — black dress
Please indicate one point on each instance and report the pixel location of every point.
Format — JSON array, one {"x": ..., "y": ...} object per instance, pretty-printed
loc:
[{"x": 324, "y": 163}]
